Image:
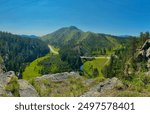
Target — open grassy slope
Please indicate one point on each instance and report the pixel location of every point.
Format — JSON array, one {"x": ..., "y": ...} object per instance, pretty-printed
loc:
[
  {"x": 33, "y": 70},
  {"x": 89, "y": 66}
]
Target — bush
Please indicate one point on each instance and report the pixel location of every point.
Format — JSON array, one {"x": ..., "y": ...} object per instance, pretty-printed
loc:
[
  {"x": 13, "y": 86},
  {"x": 128, "y": 94}
]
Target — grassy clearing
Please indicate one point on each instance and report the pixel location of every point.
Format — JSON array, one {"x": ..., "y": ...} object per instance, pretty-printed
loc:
[
  {"x": 93, "y": 68},
  {"x": 33, "y": 70},
  {"x": 117, "y": 45},
  {"x": 55, "y": 48}
]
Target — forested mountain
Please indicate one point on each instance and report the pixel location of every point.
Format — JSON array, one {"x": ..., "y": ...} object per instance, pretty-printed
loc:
[
  {"x": 86, "y": 42},
  {"x": 17, "y": 51}
]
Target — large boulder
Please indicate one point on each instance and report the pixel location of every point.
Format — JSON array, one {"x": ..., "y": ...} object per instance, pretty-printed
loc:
[
  {"x": 26, "y": 89},
  {"x": 60, "y": 84},
  {"x": 6, "y": 77},
  {"x": 108, "y": 84},
  {"x": 4, "y": 80},
  {"x": 2, "y": 91},
  {"x": 58, "y": 76},
  {"x": 144, "y": 52},
  {"x": 144, "y": 55}
]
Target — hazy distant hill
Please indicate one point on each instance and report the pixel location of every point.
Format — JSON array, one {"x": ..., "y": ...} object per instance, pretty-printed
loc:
[{"x": 29, "y": 36}]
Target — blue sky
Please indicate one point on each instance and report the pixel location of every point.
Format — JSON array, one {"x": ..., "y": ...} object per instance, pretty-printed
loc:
[{"x": 39, "y": 17}]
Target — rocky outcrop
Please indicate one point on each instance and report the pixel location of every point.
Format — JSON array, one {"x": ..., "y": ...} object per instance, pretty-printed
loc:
[
  {"x": 25, "y": 89},
  {"x": 60, "y": 84},
  {"x": 2, "y": 91},
  {"x": 144, "y": 54},
  {"x": 146, "y": 45},
  {"x": 6, "y": 77},
  {"x": 10, "y": 83},
  {"x": 58, "y": 76},
  {"x": 102, "y": 87}
]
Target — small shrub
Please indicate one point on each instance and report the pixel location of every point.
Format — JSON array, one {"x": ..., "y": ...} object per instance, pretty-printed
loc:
[
  {"x": 13, "y": 86},
  {"x": 128, "y": 94}
]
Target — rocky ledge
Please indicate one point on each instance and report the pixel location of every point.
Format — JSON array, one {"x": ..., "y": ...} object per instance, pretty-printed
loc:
[
  {"x": 58, "y": 76},
  {"x": 102, "y": 87},
  {"x": 10, "y": 86},
  {"x": 144, "y": 54}
]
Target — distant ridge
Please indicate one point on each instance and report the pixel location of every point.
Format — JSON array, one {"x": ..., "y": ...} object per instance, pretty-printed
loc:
[{"x": 29, "y": 36}]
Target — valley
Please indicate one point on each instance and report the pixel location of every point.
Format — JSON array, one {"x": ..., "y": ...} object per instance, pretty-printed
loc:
[{"x": 71, "y": 62}]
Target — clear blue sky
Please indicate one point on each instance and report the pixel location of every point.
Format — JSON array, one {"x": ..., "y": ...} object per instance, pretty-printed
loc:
[{"x": 39, "y": 17}]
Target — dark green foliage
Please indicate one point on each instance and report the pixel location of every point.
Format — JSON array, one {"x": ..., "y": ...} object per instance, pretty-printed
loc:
[
  {"x": 123, "y": 63},
  {"x": 72, "y": 57},
  {"x": 144, "y": 37},
  {"x": 17, "y": 51},
  {"x": 54, "y": 64},
  {"x": 95, "y": 72}
]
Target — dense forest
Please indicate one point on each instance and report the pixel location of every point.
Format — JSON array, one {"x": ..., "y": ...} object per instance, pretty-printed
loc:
[
  {"x": 17, "y": 51},
  {"x": 126, "y": 60},
  {"x": 130, "y": 64}
]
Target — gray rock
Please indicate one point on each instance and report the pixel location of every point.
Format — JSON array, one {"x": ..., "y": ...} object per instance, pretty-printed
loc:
[
  {"x": 4, "y": 80},
  {"x": 5, "y": 77},
  {"x": 144, "y": 54},
  {"x": 148, "y": 53},
  {"x": 58, "y": 76},
  {"x": 26, "y": 89},
  {"x": 147, "y": 73},
  {"x": 108, "y": 84},
  {"x": 2, "y": 91}
]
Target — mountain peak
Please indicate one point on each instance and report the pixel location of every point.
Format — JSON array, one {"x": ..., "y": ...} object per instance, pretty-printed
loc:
[{"x": 73, "y": 27}]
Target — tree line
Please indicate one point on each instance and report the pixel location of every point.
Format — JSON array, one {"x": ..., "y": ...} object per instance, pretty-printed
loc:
[{"x": 17, "y": 51}]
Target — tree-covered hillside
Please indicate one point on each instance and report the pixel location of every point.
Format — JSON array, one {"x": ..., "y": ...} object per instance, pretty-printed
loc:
[
  {"x": 86, "y": 42},
  {"x": 131, "y": 65},
  {"x": 17, "y": 51}
]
